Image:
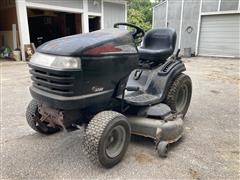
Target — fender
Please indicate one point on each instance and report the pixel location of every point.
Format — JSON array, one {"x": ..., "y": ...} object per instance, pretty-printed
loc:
[
  {"x": 156, "y": 81},
  {"x": 168, "y": 73}
]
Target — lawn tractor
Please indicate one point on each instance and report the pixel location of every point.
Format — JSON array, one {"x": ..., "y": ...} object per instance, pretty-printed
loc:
[{"x": 102, "y": 81}]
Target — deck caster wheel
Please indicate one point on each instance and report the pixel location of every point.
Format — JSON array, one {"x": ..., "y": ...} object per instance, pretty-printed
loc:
[
  {"x": 106, "y": 138},
  {"x": 162, "y": 149}
]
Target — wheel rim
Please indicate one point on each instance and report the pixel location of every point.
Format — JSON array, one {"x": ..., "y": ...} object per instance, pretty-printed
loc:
[
  {"x": 182, "y": 98},
  {"x": 115, "y": 141}
]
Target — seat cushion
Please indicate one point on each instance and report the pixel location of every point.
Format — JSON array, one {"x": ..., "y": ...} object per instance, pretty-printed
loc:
[{"x": 154, "y": 55}]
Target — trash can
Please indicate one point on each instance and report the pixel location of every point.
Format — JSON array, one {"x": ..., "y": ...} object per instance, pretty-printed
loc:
[{"x": 187, "y": 52}]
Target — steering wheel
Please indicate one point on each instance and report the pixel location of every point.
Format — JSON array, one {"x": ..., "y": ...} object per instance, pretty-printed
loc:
[{"x": 137, "y": 33}]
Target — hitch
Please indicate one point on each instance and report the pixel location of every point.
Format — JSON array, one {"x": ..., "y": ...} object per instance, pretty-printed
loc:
[{"x": 52, "y": 116}]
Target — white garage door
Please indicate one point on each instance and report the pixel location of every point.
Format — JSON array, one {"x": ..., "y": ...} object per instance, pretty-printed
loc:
[{"x": 220, "y": 35}]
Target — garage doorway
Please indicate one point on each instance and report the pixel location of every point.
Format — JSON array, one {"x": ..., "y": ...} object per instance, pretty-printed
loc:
[
  {"x": 94, "y": 23},
  {"x": 219, "y": 35},
  {"x": 45, "y": 25}
]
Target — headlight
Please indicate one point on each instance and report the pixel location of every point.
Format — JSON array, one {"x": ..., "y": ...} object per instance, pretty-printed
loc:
[{"x": 55, "y": 62}]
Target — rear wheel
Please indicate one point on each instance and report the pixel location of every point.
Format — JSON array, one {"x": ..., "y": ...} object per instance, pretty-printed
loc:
[
  {"x": 33, "y": 120},
  {"x": 106, "y": 138},
  {"x": 179, "y": 95}
]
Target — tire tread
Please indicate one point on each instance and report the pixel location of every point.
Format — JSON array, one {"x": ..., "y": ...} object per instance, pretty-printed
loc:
[
  {"x": 30, "y": 115},
  {"x": 32, "y": 118},
  {"x": 171, "y": 96},
  {"x": 94, "y": 132}
]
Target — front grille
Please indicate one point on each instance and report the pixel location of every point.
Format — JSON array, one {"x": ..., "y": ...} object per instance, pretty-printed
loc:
[{"x": 56, "y": 83}]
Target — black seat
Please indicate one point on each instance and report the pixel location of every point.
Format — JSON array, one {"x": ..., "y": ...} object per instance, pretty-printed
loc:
[{"x": 158, "y": 45}]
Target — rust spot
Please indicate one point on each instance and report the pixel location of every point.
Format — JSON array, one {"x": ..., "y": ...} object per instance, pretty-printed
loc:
[
  {"x": 143, "y": 158},
  {"x": 194, "y": 174}
]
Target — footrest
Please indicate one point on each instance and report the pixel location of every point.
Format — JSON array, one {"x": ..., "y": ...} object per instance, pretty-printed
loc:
[
  {"x": 141, "y": 99},
  {"x": 159, "y": 111}
]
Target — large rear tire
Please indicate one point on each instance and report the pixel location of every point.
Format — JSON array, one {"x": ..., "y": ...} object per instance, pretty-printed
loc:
[
  {"x": 179, "y": 95},
  {"x": 33, "y": 120},
  {"x": 106, "y": 138}
]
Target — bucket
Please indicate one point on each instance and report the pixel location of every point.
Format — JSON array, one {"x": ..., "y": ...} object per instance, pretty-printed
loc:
[
  {"x": 187, "y": 52},
  {"x": 17, "y": 55}
]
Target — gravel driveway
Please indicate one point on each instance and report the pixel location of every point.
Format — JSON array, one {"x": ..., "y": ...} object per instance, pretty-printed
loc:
[{"x": 208, "y": 150}]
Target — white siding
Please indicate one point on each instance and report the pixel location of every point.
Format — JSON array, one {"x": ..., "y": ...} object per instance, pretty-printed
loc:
[
  {"x": 209, "y": 5},
  {"x": 78, "y": 4},
  {"x": 219, "y": 35},
  {"x": 113, "y": 13},
  {"x": 159, "y": 16},
  {"x": 174, "y": 17},
  {"x": 229, "y": 5},
  {"x": 190, "y": 24},
  {"x": 95, "y": 6}
]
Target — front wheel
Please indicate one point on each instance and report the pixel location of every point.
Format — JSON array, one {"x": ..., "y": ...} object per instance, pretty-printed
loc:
[
  {"x": 33, "y": 120},
  {"x": 106, "y": 138},
  {"x": 179, "y": 95}
]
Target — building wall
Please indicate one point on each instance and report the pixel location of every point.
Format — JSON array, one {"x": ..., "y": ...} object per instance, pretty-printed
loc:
[
  {"x": 225, "y": 5},
  {"x": 209, "y": 5},
  {"x": 190, "y": 24},
  {"x": 159, "y": 15},
  {"x": 113, "y": 13},
  {"x": 69, "y": 3},
  {"x": 190, "y": 17},
  {"x": 95, "y": 6},
  {"x": 190, "y": 20},
  {"x": 229, "y": 5},
  {"x": 174, "y": 16}
]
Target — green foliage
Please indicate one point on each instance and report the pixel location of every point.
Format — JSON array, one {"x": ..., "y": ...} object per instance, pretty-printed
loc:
[
  {"x": 140, "y": 13},
  {"x": 136, "y": 17}
]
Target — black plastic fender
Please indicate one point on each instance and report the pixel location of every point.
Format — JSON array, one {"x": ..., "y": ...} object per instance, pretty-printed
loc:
[
  {"x": 169, "y": 71},
  {"x": 157, "y": 81}
]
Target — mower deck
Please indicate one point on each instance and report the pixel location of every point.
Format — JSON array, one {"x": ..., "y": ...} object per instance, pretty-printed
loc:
[{"x": 159, "y": 130}]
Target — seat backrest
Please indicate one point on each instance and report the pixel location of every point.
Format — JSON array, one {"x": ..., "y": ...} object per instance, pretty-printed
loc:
[{"x": 160, "y": 38}]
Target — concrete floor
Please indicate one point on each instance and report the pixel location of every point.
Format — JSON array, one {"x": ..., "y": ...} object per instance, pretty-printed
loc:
[{"x": 208, "y": 150}]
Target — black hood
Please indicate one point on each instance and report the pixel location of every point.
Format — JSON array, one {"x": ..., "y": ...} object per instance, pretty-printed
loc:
[{"x": 75, "y": 45}]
